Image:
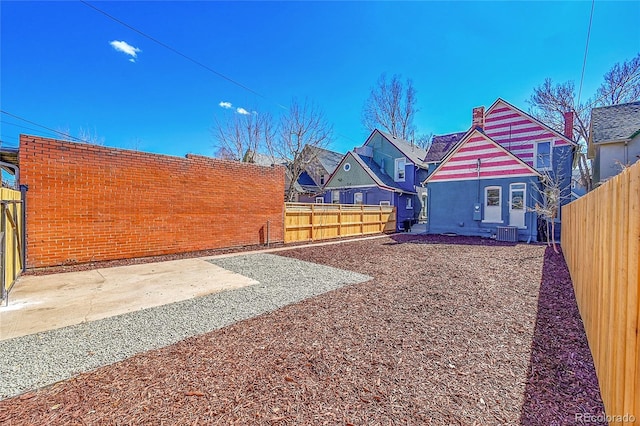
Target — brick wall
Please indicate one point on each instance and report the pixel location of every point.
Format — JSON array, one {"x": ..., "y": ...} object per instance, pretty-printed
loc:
[{"x": 88, "y": 203}]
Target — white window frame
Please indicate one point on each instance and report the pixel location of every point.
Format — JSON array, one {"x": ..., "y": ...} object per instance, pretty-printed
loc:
[
  {"x": 409, "y": 205},
  {"x": 385, "y": 203},
  {"x": 319, "y": 200},
  {"x": 518, "y": 186},
  {"x": 335, "y": 197},
  {"x": 357, "y": 195},
  {"x": 535, "y": 155},
  {"x": 346, "y": 167},
  {"x": 486, "y": 205},
  {"x": 400, "y": 165}
]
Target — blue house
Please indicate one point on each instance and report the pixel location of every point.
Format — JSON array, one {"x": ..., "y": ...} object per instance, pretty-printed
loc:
[
  {"x": 385, "y": 170},
  {"x": 492, "y": 176}
]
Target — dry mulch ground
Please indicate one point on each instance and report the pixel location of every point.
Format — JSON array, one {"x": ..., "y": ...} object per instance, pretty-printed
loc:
[{"x": 449, "y": 331}]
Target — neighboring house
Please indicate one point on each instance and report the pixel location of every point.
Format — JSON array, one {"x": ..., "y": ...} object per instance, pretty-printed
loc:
[
  {"x": 318, "y": 164},
  {"x": 383, "y": 171},
  {"x": 614, "y": 139},
  {"x": 491, "y": 175}
]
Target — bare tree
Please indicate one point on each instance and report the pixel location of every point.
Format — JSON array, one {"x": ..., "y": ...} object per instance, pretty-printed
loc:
[
  {"x": 550, "y": 101},
  {"x": 87, "y": 136},
  {"x": 391, "y": 106},
  {"x": 303, "y": 125},
  {"x": 621, "y": 84},
  {"x": 240, "y": 136},
  {"x": 84, "y": 135},
  {"x": 424, "y": 140},
  {"x": 553, "y": 192}
]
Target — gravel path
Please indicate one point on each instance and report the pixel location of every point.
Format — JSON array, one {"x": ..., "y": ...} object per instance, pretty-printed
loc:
[{"x": 41, "y": 359}]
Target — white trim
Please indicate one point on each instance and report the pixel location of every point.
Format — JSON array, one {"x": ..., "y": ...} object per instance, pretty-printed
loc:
[
  {"x": 524, "y": 203},
  {"x": 355, "y": 196},
  {"x": 346, "y": 166},
  {"x": 385, "y": 203},
  {"x": 397, "y": 169},
  {"x": 319, "y": 200},
  {"x": 493, "y": 209},
  {"x": 333, "y": 197},
  {"x": 409, "y": 205},
  {"x": 535, "y": 154},
  {"x": 484, "y": 178}
]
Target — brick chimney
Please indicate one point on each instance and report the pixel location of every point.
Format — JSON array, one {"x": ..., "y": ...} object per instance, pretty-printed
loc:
[
  {"x": 478, "y": 118},
  {"x": 568, "y": 124}
]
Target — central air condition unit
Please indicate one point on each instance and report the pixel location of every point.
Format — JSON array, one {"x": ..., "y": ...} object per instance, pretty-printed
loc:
[{"x": 507, "y": 233}]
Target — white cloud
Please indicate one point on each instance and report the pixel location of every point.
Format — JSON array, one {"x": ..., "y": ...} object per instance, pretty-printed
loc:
[
  {"x": 242, "y": 111},
  {"x": 126, "y": 48},
  {"x": 225, "y": 105}
]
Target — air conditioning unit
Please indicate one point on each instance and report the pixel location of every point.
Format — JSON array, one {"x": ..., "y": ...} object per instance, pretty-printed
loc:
[{"x": 507, "y": 233}]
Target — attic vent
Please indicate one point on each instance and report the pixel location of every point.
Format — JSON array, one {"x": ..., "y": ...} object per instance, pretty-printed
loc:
[{"x": 507, "y": 233}]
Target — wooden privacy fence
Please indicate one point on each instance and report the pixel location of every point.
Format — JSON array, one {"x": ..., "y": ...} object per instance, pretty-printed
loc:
[
  {"x": 11, "y": 239},
  {"x": 312, "y": 222},
  {"x": 600, "y": 241}
]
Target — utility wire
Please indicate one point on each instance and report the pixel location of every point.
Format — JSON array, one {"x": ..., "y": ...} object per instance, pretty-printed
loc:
[
  {"x": 190, "y": 59},
  {"x": 177, "y": 52},
  {"x": 586, "y": 50},
  {"x": 40, "y": 125}
]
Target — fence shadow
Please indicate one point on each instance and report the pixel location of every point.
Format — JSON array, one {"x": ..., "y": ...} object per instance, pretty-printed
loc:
[{"x": 562, "y": 387}]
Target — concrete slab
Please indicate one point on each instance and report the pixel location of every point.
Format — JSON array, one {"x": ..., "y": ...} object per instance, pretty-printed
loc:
[{"x": 40, "y": 303}]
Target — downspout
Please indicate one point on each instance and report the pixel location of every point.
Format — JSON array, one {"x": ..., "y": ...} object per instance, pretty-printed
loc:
[
  {"x": 626, "y": 153},
  {"x": 478, "y": 170},
  {"x": 23, "y": 195},
  {"x": 530, "y": 220}
]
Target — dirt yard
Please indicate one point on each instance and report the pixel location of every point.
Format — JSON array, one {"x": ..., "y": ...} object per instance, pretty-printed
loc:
[{"x": 449, "y": 331}]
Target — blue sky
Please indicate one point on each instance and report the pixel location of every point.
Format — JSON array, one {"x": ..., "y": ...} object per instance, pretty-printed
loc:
[{"x": 58, "y": 68}]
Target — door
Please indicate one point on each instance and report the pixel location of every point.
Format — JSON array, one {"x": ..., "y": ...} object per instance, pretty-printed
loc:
[
  {"x": 493, "y": 204},
  {"x": 517, "y": 205}
]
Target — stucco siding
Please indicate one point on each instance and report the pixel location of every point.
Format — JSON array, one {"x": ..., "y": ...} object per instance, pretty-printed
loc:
[{"x": 450, "y": 207}]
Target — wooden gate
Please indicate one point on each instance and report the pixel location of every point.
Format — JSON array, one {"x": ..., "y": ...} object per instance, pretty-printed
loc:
[{"x": 11, "y": 239}]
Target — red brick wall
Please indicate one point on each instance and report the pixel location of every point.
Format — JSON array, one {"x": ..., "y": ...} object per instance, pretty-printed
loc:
[{"x": 88, "y": 203}]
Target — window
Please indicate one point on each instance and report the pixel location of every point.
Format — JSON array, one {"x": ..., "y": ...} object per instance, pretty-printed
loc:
[
  {"x": 543, "y": 155},
  {"x": 321, "y": 179},
  {"x": 319, "y": 200},
  {"x": 346, "y": 167},
  {"x": 335, "y": 197},
  {"x": 517, "y": 204},
  {"x": 399, "y": 170},
  {"x": 409, "y": 202},
  {"x": 493, "y": 204},
  {"x": 357, "y": 198},
  {"x": 385, "y": 203}
]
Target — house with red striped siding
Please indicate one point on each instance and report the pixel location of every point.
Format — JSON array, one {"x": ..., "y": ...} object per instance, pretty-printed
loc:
[{"x": 492, "y": 177}]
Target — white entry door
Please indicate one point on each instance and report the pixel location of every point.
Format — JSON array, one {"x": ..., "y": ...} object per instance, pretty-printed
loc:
[
  {"x": 517, "y": 204},
  {"x": 493, "y": 204}
]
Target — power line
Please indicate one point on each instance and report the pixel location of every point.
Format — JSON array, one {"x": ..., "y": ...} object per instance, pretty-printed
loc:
[
  {"x": 177, "y": 52},
  {"x": 189, "y": 58},
  {"x": 40, "y": 125},
  {"x": 586, "y": 50}
]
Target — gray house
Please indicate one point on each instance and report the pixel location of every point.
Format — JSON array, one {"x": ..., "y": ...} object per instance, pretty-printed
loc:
[{"x": 614, "y": 139}]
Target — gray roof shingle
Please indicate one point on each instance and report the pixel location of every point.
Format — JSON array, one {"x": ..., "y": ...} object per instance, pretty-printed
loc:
[
  {"x": 412, "y": 151},
  {"x": 615, "y": 122},
  {"x": 441, "y": 145}
]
